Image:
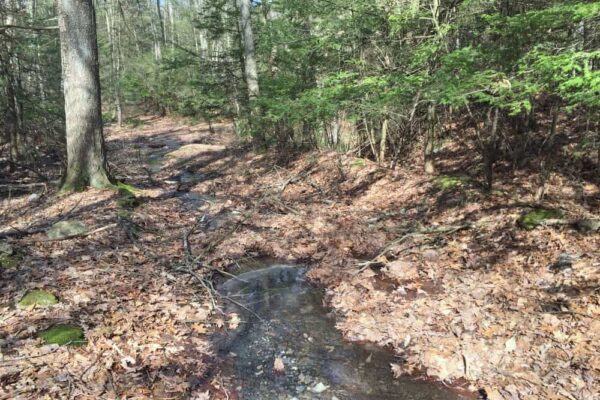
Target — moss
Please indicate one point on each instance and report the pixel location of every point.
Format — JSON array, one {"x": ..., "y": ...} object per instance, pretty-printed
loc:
[
  {"x": 10, "y": 256},
  {"x": 134, "y": 122},
  {"x": 358, "y": 163},
  {"x": 63, "y": 334},
  {"x": 9, "y": 260},
  {"x": 124, "y": 188},
  {"x": 536, "y": 217},
  {"x": 67, "y": 228},
  {"x": 447, "y": 182},
  {"x": 128, "y": 202},
  {"x": 37, "y": 297}
]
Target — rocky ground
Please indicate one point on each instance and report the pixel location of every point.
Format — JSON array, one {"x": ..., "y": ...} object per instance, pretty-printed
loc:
[{"x": 483, "y": 291}]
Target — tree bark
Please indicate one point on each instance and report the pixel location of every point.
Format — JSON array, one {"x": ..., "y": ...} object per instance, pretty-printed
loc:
[
  {"x": 86, "y": 156},
  {"x": 250, "y": 69},
  {"x": 430, "y": 141},
  {"x": 10, "y": 67}
]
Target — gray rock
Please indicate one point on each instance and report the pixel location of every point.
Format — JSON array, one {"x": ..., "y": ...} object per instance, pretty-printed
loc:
[
  {"x": 431, "y": 255},
  {"x": 564, "y": 261},
  {"x": 588, "y": 225},
  {"x": 67, "y": 228},
  {"x": 6, "y": 249},
  {"x": 32, "y": 198}
]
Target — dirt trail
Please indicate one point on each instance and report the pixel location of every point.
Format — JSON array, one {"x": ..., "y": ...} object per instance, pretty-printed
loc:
[{"x": 439, "y": 272}]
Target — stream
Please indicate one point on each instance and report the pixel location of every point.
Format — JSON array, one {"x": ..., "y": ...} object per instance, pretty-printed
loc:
[{"x": 281, "y": 316}]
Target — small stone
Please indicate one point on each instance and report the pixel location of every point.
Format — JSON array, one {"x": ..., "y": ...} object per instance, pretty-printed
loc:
[
  {"x": 431, "y": 255},
  {"x": 64, "y": 229},
  {"x": 63, "y": 334},
  {"x": 402, "y": 270},
  {"x": 32, "y": 198},
  {"x": 319, "y": 388},
  {"x": 564, "y": 261},
  {"x": 37, "y": 297}
]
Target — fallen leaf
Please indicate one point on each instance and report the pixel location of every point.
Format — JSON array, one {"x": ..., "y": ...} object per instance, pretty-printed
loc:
[
  {"x": 511, "y": 344},
  {"x": 278, "y": 365},
  {"x": 396, "y": 370}
]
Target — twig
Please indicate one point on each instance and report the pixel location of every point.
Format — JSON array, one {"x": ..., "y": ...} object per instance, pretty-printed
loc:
[
  {"x": 237, "y": 303},
  {"x": 232, "y": 276},
  {"x": 24, "y": 358}
]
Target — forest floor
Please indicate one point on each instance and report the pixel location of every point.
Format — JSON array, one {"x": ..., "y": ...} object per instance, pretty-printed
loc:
[{"x": 430, "y": 267}]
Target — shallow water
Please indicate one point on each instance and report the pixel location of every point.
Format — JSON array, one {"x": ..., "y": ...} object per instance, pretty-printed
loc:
[{"x": 283, "y": 317}]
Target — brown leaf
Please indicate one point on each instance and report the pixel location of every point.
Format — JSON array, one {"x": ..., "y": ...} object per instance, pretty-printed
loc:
[{"x": 278, "y": 365}]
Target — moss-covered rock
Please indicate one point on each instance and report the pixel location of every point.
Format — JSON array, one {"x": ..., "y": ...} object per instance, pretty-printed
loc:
[
  {"x": 67, "y": 228},
  {"x": 7, "y": 261},
  {"x": 6, "y": 248},
  {"x": 539, "y": 216},
  {"x": 447, "y": 182},
  {"x": 63, "y": 334},
  {"x": 9, "y": 256},
  {"x": 37, "y": 297},
  {"x": 128, "y": 202},
  {"x": 588, "y": 225}
]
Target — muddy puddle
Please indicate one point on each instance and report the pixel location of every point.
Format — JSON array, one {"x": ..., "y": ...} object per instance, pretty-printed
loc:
[{"x": 282, "y": 321}]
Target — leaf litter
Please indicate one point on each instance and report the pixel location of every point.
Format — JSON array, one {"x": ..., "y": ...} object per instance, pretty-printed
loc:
[{"x": 454, "y": 287}]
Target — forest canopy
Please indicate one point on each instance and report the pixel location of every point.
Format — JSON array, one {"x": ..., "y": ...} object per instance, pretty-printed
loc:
[{"x": 374, "y": 77}]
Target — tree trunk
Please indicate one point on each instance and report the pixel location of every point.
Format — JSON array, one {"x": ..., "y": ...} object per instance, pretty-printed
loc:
[
  {"x": 9, "y": 64},
  {"x": 430, "y": 141},
  {"x": 86, "y": 156},
  {"x": 384, "y": 137},
  {"x": 546, "y": 154},
  {"x": 490, "y": 152},
  {"x": 161, "y": 22},
  {"x": 114, "y": 43},
  {"x": 250, "y": 69}
]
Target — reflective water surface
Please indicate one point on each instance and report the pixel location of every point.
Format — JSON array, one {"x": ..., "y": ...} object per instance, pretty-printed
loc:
[{"x": 282, "y": 318}]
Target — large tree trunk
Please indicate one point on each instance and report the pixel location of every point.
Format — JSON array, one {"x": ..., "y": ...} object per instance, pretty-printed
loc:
[
  {"x": 250, "y": 69},
  {"x": 86, "y": 157},
  {"x": 10, "y": 68}
]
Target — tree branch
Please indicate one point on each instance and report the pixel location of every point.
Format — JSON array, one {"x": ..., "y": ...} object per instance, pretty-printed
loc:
[{"x": 30, "y": 28}]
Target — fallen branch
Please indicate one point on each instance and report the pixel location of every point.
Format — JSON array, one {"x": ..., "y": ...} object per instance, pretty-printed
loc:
[
  {"x": 79, "y": 235},
  {"x": 304, "y": 172},
  {"x": 28, "y": 28},
  {"x": 440, "y": 230},
  {"x": 21, "y": 186}
]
